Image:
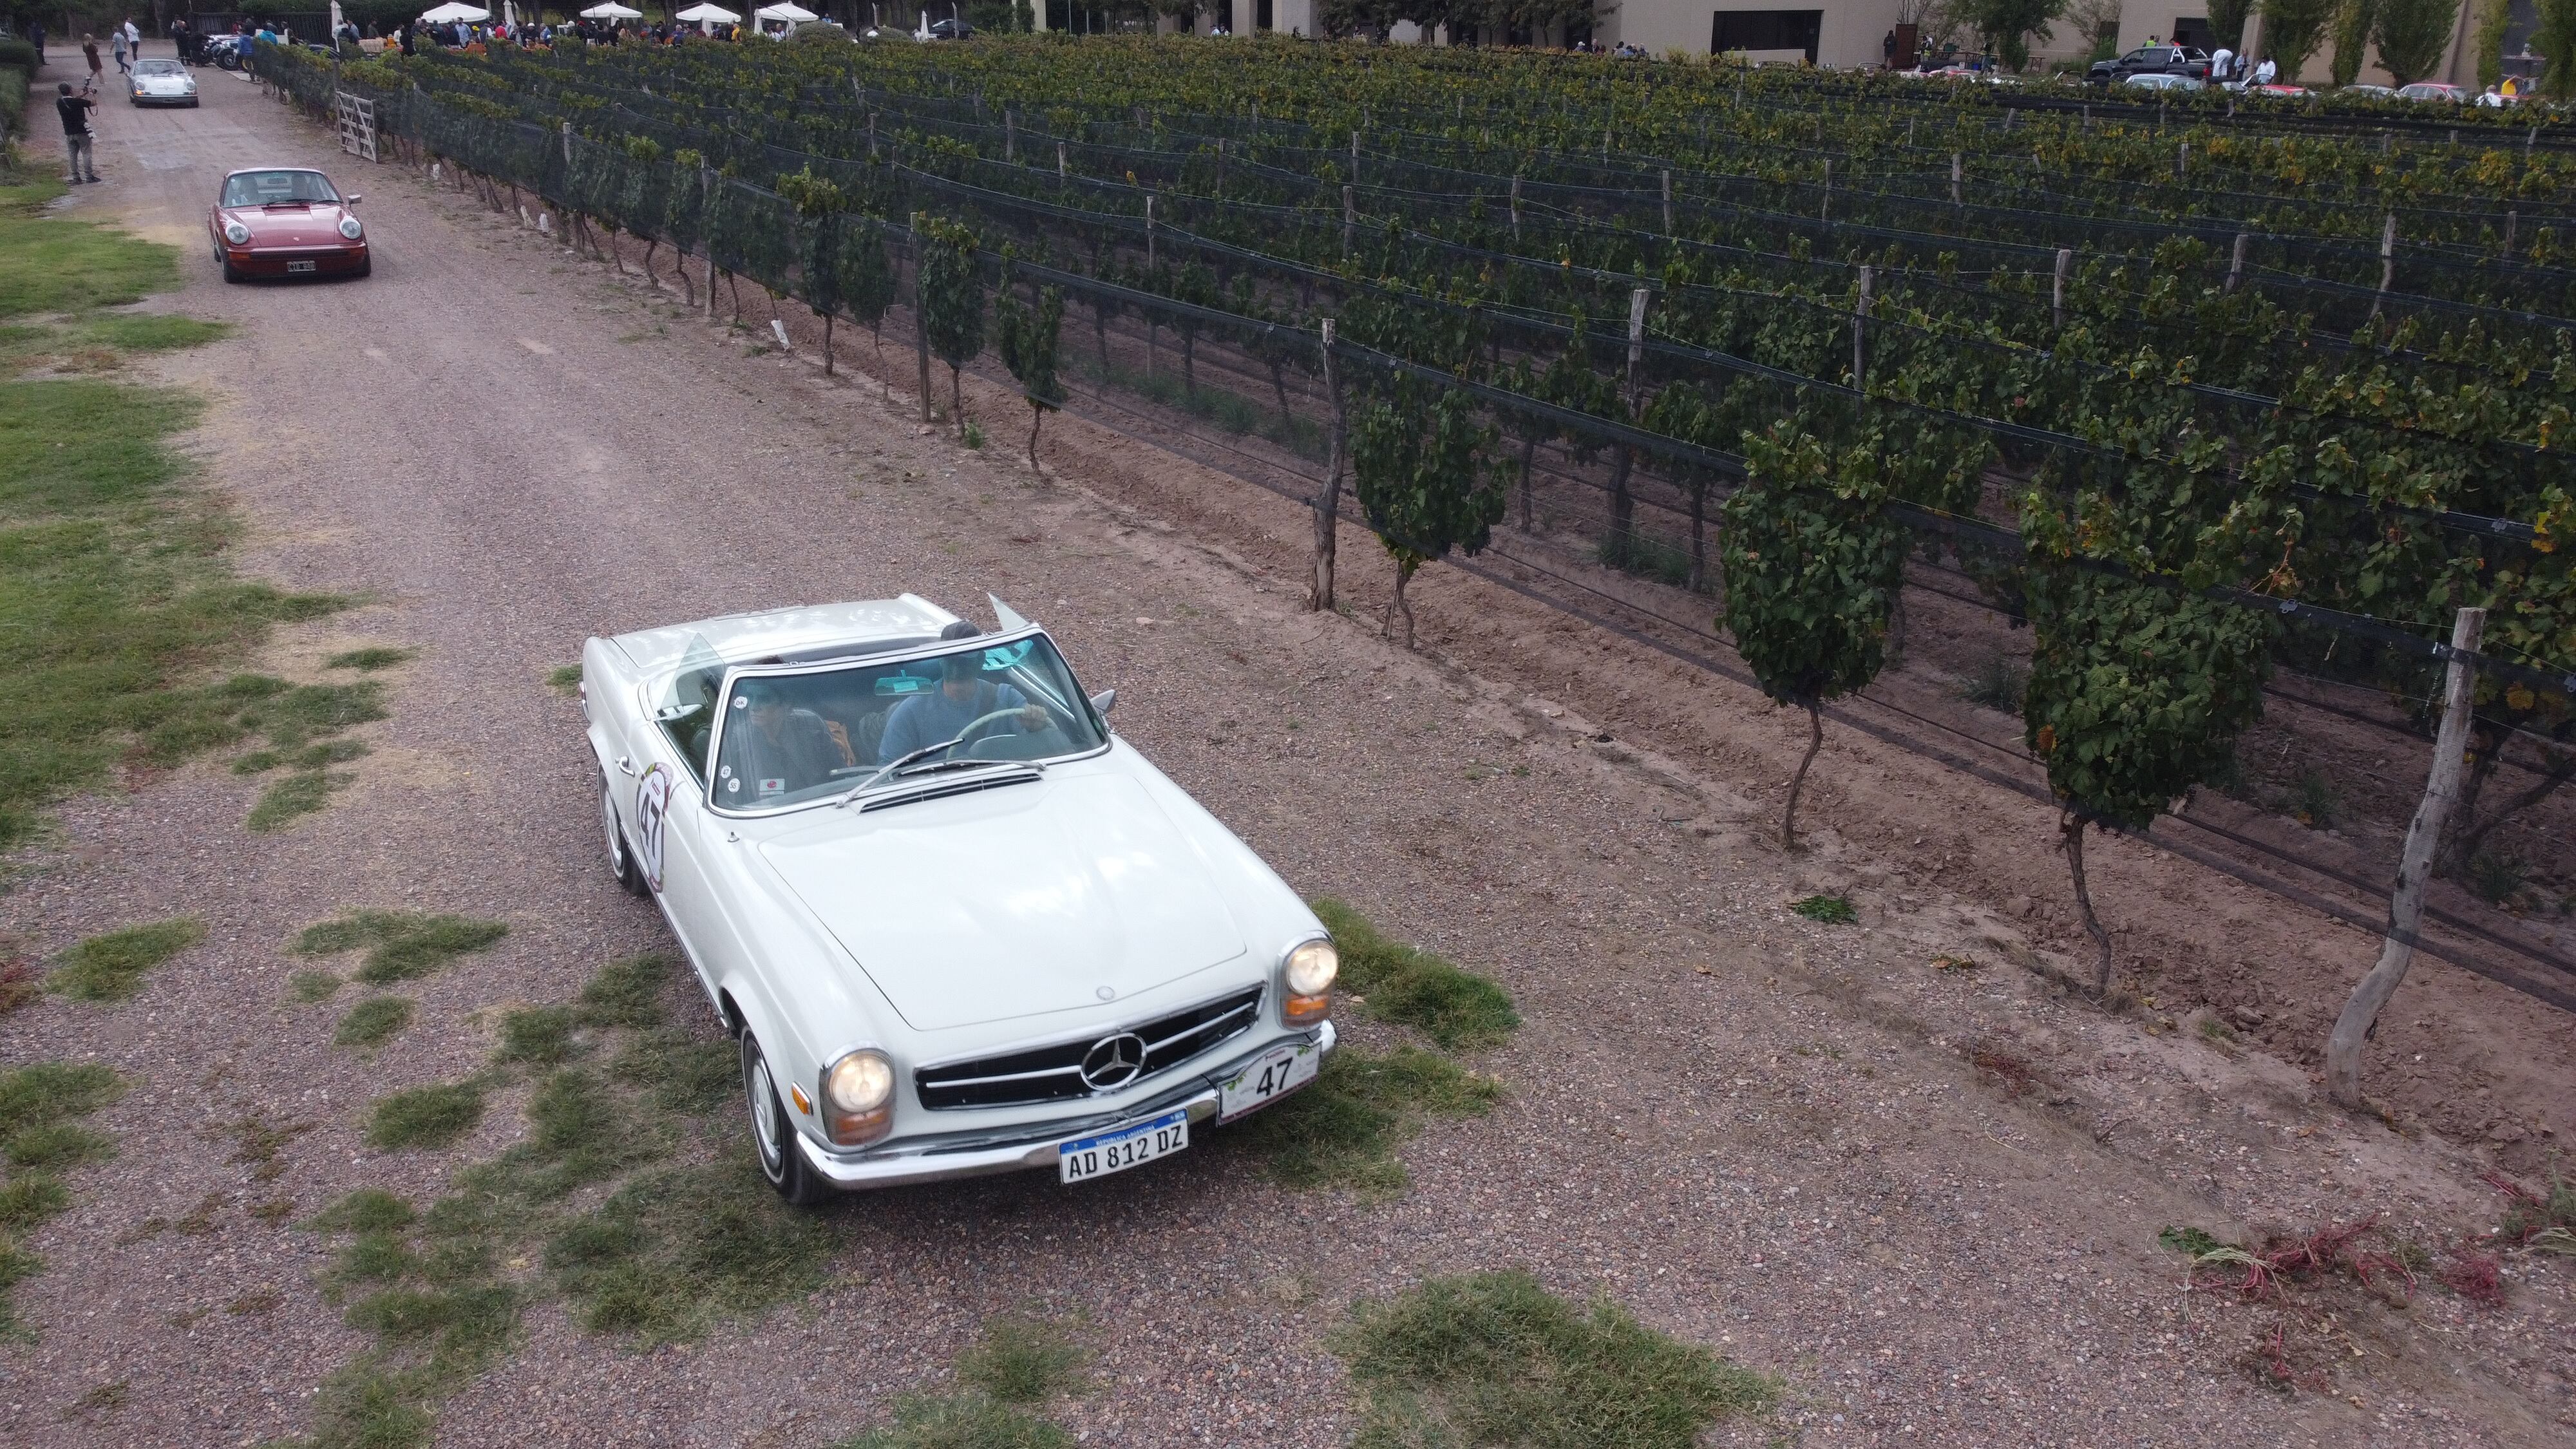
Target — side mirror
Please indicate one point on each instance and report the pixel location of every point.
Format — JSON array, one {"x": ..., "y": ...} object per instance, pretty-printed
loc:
[
  {"x": 354, "y": 199},
  {"x": 1101, "y": 702}
]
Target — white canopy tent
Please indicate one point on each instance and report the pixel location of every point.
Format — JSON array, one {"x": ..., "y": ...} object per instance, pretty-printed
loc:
[
  {"x": 613, "y": 11},
  {"x": 453, "y": 11},
  {"x": 779, "y": 18},
  {"x": 703, "y": 15}
]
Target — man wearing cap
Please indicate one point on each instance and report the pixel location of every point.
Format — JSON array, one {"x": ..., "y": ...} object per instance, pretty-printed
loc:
[{"x": 963, "y": 697}]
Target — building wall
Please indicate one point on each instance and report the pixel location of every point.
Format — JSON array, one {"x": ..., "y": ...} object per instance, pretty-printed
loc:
[{"x": 1850, "y": 36}]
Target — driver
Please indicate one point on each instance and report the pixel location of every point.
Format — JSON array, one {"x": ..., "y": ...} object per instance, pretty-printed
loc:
[
  {"x": 964, "y": 697},
  {"x": 776, "y": 749}
]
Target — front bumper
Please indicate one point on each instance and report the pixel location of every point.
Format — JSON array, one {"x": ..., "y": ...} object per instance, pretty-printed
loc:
[
  {"x": 1033, "y": 1144},
  {"x": 188, "y": 98},
  {"x": 327, "y": 261}
]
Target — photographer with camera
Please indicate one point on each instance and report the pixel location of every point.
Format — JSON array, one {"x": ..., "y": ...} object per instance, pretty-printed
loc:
[{"x": 75, "y": 110}]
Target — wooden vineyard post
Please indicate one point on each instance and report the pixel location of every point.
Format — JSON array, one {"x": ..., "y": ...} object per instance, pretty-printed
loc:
[
  {"x": 1825, "y": 207},
  {"x": 1355, "y": 158},
  {"x": 2236, "y": 262},
  {"x": 1516, "y": 208},
  {"x": 1623, "y": 504},
  {"x": 872, "y": 135},
  {"x": 1150, "y": 257},
  {"x": 1860, "y": 334},
  {"x": 1954, "y": 178},
  {"x": 1011, "y": 136},
  {"x": 920, "y": 320},
  {"x": 2387, "y": 262},
  {"x": 2057, "y": 290},
  {"x": 1220, "y": 166},
  {"x": 2414, "y": 868},
  {"x": 1350, "y": 216},
  {"x": 1328, "y": 497},
  {"x": 2512, "y": 222},
  {"x": 1668, "y": 200},
  {"x": 1059, "y": 163},
  {"x": 2182, "y": 159}
]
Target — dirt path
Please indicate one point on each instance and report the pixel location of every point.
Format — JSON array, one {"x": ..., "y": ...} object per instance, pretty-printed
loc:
[{"x": 1759, "y": 1133}]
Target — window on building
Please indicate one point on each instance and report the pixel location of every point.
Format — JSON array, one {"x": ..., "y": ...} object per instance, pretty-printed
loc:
[{"x": 1767, "y": 30}]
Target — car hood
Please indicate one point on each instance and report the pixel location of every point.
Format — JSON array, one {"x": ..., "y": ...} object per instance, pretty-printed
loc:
[
  {"x": 317, "y": 225},
  {"x": 1063, "y": 894}
]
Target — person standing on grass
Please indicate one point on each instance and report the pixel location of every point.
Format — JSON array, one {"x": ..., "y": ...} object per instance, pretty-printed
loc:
[{"x": 75, "y": 110}]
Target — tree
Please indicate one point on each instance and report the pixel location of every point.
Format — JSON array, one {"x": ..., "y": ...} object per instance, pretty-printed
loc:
[
  {"x": 2226, "y": 22},
  {"x": 2008, "y": 25},
  {"x": 2493, "y": 16},
  {"x": 819, "y": 204},
  {"x": 2553, "y": 36},
  {"x": 2412, "y": 36},
  {"x": 952, "y": 301},
  {"x": 1026, "y": 338},
  {"x": 2352, "y": 25},
  {"x": 2292, "y": 31},
  {"x": 1813, "y": 565},
  {"x": 1418, "y": 465}
]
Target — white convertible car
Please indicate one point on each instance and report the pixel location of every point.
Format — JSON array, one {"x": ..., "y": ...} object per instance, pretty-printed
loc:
[{"x": 957, "y": 925}]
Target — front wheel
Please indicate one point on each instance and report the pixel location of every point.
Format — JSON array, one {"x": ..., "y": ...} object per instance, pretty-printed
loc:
[
  {"x": 621, "y": 861},
  {"x": 773, "y": 1133}
]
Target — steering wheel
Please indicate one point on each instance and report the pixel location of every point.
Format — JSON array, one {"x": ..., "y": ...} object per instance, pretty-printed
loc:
[{"x": 975, "y": 734}]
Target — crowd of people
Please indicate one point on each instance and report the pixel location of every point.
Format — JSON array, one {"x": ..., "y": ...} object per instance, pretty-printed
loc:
[{"x": 461, "y": 34}]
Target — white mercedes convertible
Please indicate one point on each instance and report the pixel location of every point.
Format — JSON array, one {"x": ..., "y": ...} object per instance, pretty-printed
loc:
[{"x": 957, "y": 925}]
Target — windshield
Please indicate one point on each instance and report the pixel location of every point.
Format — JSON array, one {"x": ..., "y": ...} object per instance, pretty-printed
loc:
[
  {"x": 158, "y": 67},
  {"x": 259, "y": 188},
  {"x": 791, "y": 739}
]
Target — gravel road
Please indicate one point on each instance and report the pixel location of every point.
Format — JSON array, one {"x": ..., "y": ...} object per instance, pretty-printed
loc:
[{"x": 1759, "y": 1133}]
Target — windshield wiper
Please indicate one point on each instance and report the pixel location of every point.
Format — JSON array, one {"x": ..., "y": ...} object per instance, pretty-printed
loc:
[{"x": 895, "y": 766}]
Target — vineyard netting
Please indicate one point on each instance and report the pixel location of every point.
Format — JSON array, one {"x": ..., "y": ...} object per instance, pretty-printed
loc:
[{"x": 2236, "y": 405}]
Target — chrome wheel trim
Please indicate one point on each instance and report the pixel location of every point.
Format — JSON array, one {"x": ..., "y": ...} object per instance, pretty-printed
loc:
[
  {"x": 616, "y": 838},
  {"x": 764, "y": 1112}
]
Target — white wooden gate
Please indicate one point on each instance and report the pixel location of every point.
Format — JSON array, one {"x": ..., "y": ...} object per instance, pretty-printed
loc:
[{"x": 357, "y": 125}]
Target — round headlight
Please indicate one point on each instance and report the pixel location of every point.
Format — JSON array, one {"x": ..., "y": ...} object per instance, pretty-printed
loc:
[
  {"x": 859, "y": 1084},
  {"x": 237, "y": 234},
  {"x": 1311, "y": 968},
  {"x": 349, "y": 228}
]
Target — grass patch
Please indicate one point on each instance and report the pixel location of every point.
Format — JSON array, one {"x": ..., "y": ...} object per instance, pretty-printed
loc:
[
  {"x": 2314, "y": 801},
  {"x": 1457, "y": 1009},
  {"x": 1997, "y": 683},
  {"x": 370, "y": 659},
  {"x": 312, "y": 986},
  {"x": 400, "y": 945},
  {"x": 671, "y": 1248},
  {"x": 306, "y": 792},
  {"x": 682, "y": 1073},
  {"x": 40, "y": 1105},
  {"x": 539, "y": 1035},
  {"x": 111, "y": 967},
  {"x": 564, "y": 678},
  {"x": 425, "y": 1116},
  {"x": 112, "y": 586},
  {"x": 1495, "y": 1359},
  {"x": 154, "y": 332},
  {"x": 1020, "y": 1360},
  {"x": 671, "y": 1253},
  {"x": 374, "y": 1021},
  {"x": 1018, "y": 1363},
  {"x": 1831, "y": 910},
  {"x": 1648, "y": 556},
  {"x": 2495, "y": 878},
  {"x": 1343, "y": 1131}
]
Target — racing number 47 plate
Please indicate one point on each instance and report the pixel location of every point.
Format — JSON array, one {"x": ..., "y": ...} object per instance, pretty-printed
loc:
[
  {"x": 1085, "y": 1158},
  {"x": 1271, "y": 1076}
]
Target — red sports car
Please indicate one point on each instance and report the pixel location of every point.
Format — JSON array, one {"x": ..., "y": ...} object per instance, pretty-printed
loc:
[{"x": 286, "y": 222}]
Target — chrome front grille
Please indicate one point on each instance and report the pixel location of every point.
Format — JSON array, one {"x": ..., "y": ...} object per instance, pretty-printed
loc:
[{"x": 1054, "y": 1073}]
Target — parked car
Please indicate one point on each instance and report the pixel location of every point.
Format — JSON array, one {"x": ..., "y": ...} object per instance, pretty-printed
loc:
[
  {"x": 956, "y": 925},
  {"x": 2434, "y": 92},
  {"x": 2363, "y": 91},
  {"x": 2176, "y": 60},
  {"x": 161, "y": 83},
  {"x": 286, "y": 222},
  {"x": 2150, "y": 80},
  {"x": 950, "y": 29}
]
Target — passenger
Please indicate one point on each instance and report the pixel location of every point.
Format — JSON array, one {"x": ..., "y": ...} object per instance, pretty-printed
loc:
[
  {"x": 963, "y": 698},
  {"x": 779, "y": 749}
]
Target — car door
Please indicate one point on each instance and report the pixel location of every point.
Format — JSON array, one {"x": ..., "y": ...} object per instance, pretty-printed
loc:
[{"x": 669, "y": 824}]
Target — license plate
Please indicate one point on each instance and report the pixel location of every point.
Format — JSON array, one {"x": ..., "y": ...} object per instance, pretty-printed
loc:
[
  {"x": 1085, "y": 1158},
  {"x": 299, "y": 266},
  {"x": 1271, "y": 1076}
]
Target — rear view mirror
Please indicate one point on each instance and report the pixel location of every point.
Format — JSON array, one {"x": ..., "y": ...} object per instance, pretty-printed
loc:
[{"x": 1100, "y": 702}]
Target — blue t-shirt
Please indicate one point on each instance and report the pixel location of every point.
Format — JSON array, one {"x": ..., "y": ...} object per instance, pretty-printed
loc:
[{"x": 926, "y": 719}]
